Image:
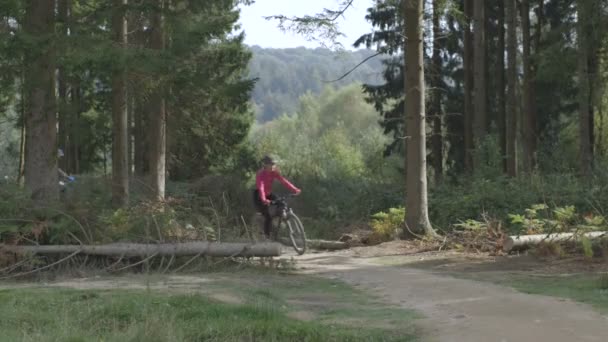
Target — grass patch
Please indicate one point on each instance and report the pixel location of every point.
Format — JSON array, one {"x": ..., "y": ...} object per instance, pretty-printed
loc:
[
  {"x": 584, "y": 288},
  {"x": 339, "y": 313}
]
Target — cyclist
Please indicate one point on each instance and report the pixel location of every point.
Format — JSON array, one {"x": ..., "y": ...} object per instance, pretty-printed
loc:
[{"x": 262, "y": 195}]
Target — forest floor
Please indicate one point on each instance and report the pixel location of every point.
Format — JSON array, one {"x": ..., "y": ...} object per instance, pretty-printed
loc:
[{"x": 390, "y": 292}]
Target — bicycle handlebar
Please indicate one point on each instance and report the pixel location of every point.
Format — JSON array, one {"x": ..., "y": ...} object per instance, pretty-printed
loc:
[{"x": 282, "y": 198}]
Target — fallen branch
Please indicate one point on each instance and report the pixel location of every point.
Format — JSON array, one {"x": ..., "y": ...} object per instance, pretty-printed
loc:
[
  {"x": 164, "y": 249},
  {"x": 522, "y": 241}
]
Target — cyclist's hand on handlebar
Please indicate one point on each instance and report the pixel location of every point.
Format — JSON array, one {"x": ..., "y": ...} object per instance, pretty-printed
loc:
[
  {"x": 297, "y": 192},
  {"x": 266, "y": 202}
]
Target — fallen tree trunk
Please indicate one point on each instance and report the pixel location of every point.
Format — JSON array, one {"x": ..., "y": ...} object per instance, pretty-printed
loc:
[
  {"x": 319, "y": 244},
  {"x": 329, "y": 245},
  {"x": 163, "y": 249},
  {"x": 521, "y": 241}
]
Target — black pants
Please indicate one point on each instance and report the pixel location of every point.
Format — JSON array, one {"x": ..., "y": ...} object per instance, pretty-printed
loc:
[{"x": 264, "y": 210}]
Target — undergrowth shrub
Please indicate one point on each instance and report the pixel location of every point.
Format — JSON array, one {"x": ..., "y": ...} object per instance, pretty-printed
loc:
[
  {"x": 498, "y": 197},
  {"x": 388, "y": 225},
  {"x": 23, "y": 221}
]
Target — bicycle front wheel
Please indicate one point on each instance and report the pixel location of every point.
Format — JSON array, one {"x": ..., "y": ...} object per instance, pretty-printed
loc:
[{"x": 296, "y": 233}]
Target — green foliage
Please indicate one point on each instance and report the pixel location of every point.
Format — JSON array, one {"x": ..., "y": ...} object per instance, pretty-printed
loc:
[
  {"x": 22, "y": 221},
  {"x": 497, "y": 197},
  {"x": 471, "y": 225},
  {"x": 209, "y": 98},
  {"x": 541, "y": 219},
  {"x": 200, "y": 74},
  {"x": 388, "y": 225}
]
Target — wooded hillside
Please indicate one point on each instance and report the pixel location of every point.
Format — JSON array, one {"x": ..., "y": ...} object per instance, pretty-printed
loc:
[{"x": 286, "y": 74}]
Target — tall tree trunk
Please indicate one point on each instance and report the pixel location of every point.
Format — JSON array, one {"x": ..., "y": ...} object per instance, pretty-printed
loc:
[
  {"x": 468, "y": 87},
  {"x": 157, "y": 123},
  {"x": 130, "y": 134},
  {"x": 437, "y": 112},
  {"x": 511, "y": 113},
  {"x": 62, "y": 85},
  {"x": 120, "y": 164},
  {"x": 529, "y": 116},
  {"x": 22, "y": 109},
  {"x": 584, "y": 87},
  {"x": 479, "y": 70},
  {"x": 595, "y": 49},
  {"x": 73, "y": 154},
  {"x": 500, "y": 86},
  {"x": 417, "y": 218},
  {"x": 40, "y": 119},
  {"x": 140, "y": 151}
]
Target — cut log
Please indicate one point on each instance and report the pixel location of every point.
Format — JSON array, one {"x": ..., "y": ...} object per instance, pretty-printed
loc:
[
  {"x": 513, "y": 242},
  {"x": 164, "y": 249},
  {"x": 325, "y": 244},
  {"x": 319, "y": 244}
]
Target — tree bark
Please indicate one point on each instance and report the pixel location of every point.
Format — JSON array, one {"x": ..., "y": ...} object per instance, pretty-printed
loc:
[
  {"x": 468, "y": 87},
  {"x": 511, "y": 113},
  {"x": 73, "y": 154},
  {"x": 21, "y": 175},
  {"x": 40, "y": 119},
  {"x": 120, "y": 131},
  {"x": 140, "y": 161},
  {"x": 584, "y": 87},
  {"x": 319, "y": 244},
  {"x": 165, "y": 249},
  {"x": 437, "y": 140},
  {"x": 62, "y": 86},
  {"x": 529, "y": 122},
  {"x": 139, "y": 135},
  {"x": 479, "y": 70},
  {"x": 130, "y": 134},
  {"x": 500, "y": 86},
  {"x": 417, "y": 218},
  {"x": 157, "y": 123}
]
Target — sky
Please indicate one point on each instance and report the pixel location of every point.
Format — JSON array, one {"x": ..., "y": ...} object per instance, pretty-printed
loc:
[{"x": 259, "y": 31}]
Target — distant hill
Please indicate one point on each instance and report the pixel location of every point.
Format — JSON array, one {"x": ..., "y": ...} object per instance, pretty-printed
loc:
[{"x": 286, "y": 74}]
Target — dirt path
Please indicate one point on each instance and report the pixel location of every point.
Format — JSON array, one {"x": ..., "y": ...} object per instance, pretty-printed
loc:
[{"x": 463, "y": 310}]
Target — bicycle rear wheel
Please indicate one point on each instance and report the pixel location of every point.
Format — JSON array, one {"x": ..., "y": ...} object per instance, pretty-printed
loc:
[{"x": 296, "y": 233}]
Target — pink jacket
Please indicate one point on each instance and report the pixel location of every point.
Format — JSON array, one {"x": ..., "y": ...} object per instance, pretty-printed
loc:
[{"x": 263, "y": 183}]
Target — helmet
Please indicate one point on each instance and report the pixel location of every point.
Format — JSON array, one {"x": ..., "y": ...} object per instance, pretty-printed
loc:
[{"x": 269, "y": 160}]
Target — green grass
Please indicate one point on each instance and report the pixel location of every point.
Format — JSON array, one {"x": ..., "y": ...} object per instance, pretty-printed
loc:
[
  {"x": 585, "y": 288},
  {"x": 339, "y": 313}
]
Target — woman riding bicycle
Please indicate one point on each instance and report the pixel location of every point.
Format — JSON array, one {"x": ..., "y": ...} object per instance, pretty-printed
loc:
[{"x": 262, "y": 195}]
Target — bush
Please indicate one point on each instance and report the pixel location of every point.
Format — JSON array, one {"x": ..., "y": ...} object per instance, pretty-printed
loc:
[
  {"x": 499, "y": 197},
  {"x": 388, "y": 225}
]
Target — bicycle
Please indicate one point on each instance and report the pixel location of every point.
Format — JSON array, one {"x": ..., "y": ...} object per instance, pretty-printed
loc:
[{"x": 287, "y": 220}]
